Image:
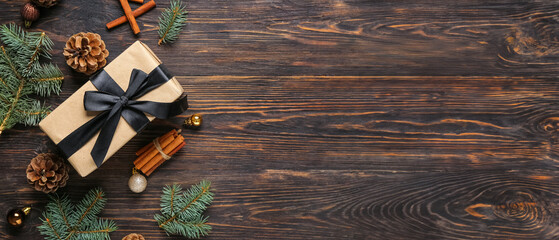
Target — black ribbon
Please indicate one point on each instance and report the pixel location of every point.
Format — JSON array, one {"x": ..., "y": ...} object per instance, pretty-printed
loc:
[{"x": 113, "y": 102}]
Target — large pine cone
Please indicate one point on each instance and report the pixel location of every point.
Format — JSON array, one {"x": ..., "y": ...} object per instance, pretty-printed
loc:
[
  {"x": 45, "y": 3},
  {"x": 86, "y": 52},
  {"x": 47, "y": 172},
  {"x": 133, "y": 236}
]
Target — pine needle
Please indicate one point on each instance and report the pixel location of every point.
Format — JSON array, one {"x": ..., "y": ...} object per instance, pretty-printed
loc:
[
  {"x": 64, "y": 220},
  {"x": 171, "y": 22},
  {"x": 181, "y": 212},
  {"x": 21, "y": 74}
]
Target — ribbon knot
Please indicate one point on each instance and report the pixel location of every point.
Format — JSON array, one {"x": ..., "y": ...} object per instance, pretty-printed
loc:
[
  {"x": 123, "y": 100},
  {"x": 113, "y": 103}
]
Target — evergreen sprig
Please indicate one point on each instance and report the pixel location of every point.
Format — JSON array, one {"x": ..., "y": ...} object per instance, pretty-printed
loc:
[
  {"x": 171, "y": 22},
  {"x": 181, "y": 212},
  {"x": 63, "y": 220},
  {"x": 21, "y": 74}
]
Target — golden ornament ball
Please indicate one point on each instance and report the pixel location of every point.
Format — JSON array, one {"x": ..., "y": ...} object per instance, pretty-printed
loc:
[
  {"x": 194, "y": 121},
  {"x": 16, "y": 216}
]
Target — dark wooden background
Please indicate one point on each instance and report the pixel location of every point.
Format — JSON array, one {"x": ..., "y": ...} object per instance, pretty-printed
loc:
[{"x": 335, "y": 119}]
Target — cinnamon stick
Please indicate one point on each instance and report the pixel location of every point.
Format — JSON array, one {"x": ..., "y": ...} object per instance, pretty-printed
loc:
[
  {"x": 143, "y": 150},
  {"x": 167, "y": 138},
  {"x": 137, "y": 12},
  {"x": 148, "y": 155},
  {"x": 175, "y": 143},
  {"x": 163, "y": 160},
  {"x": 130, "y": 16},
  {"x": 146, "y": 147},
  {"x": 152, "y": 151},
  {"x": 137, "y": 1}
]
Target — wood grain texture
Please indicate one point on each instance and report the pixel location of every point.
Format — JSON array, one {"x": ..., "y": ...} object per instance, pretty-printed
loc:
[{"x": 335, "y": 119}]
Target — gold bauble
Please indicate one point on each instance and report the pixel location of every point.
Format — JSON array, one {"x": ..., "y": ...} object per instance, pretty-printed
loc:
[
  {"x": 16, "y": 216},
  {"x": 194, "y": 121}
]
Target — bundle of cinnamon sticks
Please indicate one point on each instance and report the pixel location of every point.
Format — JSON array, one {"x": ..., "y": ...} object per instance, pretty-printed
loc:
[
  {"x": 151, "y": 156},
  {"x": 130, "y": 16}
]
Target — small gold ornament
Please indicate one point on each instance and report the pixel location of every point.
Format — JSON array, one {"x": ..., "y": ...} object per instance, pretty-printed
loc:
[
  {"x": 194, "y": 121},
  {"x": 137, "y": 183},
  {"x": 16, "y": 216}
]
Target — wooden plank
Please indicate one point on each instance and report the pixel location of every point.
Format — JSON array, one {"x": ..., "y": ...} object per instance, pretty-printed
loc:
[
  {"x": 297, "y": 157},
  {"x": 323, "y": 37},
  {"x": 335, "y": 119},
  {"x": 284, "y": 204}
]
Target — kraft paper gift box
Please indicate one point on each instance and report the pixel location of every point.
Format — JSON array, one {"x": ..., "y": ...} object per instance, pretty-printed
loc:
[{"x": 71, "y": 114}]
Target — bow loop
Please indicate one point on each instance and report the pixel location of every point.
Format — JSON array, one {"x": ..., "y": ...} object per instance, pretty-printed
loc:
[{"x": 115, "y": 103}]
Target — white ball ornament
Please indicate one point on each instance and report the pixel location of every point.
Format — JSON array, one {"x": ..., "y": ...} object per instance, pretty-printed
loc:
[{"x": 137, "y": 183}]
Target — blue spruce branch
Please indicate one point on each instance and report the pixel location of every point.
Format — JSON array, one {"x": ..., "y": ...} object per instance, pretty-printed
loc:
[
  {"x": 181, "y": 212},
  {"x": 21, "y": 74},
  {"x": 64, "y": 220},
  {"x": 171, "y": 22}
]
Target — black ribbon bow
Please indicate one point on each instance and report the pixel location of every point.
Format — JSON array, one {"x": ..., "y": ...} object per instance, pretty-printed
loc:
[{"x": 113, "y": 102}]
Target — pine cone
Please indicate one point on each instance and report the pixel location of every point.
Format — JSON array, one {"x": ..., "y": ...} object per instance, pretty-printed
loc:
[
  {"x": 47, "y": 172},
  {"x": 45, "y": 3},
  {"x": 86, "y": 52},
  {"x": 133, "y": 236}
]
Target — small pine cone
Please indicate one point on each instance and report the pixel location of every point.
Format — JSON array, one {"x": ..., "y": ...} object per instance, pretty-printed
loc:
[
  {"x": 45, "y": 3},
  {"x": 133, "y": 236},
  {"x": 86, "y": 52},
  {"x": 47, "y": 172}
]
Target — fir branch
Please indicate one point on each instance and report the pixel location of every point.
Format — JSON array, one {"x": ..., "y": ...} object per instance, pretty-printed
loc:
[
  {"x": 4, "y": 100},
  {"x": 36, "y": 50},
  {"x": 181, "y": 213},
  {"x": 64, "y": 220},
  {"x": 172, "y": 200},
  {"x": 53, "y": 229},
  {"x": 188, "y": 205},
  {"x": 20, "y": 44},
  {"x": 168, "y": 199},
  {"x": 90, "y": 206},
  {"x": 70, "y": 235},
  {"x": 12, "y": 35},
  {"x": 105, "y": 230},
  {"x": 195, "y": 228},
  {"x": 3, "y": 82},
  {"x": 5, "y": 124},
  {"x": 99, "y": 229},
  {"x": 47, "y": 79},
  {"x": 171, "y": 22},
  {"x": 55, "y": 217},
  {"x": 60, "y": 206},
  {"x": 21, "y": 74},
  {"x": 31, "y": 111},
  {"x": 40, "y": 46},
  {"x": 11, "y": 64},
  {"x": 23, "y": 111}
]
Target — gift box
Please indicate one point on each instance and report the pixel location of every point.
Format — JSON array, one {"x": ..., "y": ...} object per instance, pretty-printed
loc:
[{"x": 111, "y": 108}]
